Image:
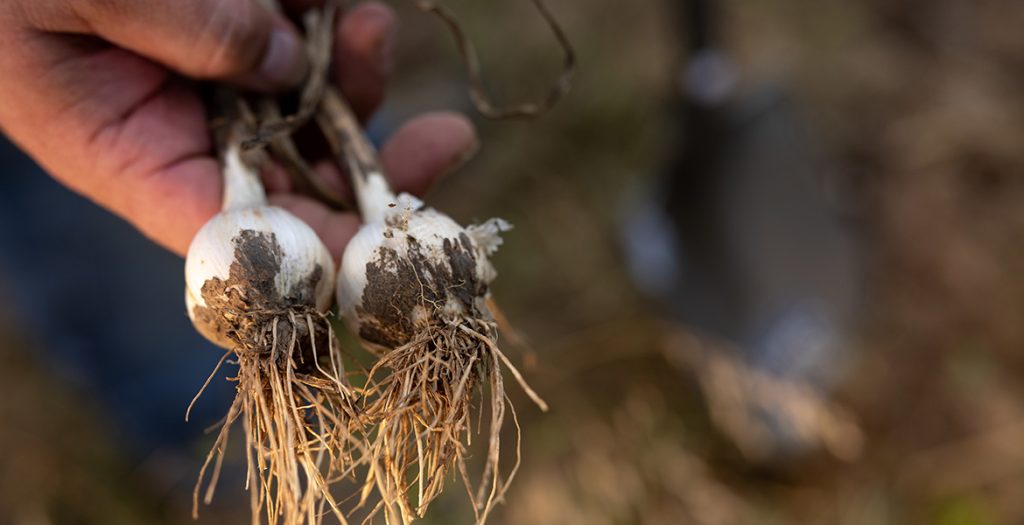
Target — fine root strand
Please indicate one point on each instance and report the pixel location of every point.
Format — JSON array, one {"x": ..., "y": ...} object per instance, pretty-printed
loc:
[
  {"x": 471, "y": 61},
  {"x": 296, "y": 418},
  {"x": 420, "y": 398}
]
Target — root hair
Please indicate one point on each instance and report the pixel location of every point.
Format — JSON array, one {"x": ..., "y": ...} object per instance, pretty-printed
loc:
[
  {"x": 296, "y": 413},
  {"x": 420, "y": 399}
]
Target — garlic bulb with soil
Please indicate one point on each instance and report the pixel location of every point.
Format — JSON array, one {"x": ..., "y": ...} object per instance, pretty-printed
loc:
[
  {"x": 414, "y": 285},
  {"x": 259, "y": 283},
  {"x": 410, "y": 265},
  {"x": 256, "y": 258}
]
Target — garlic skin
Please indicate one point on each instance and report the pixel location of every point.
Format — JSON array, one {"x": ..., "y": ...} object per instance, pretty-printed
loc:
[
  {"x": 411, "y": 247},
  {"x": 252, "y": 258}
]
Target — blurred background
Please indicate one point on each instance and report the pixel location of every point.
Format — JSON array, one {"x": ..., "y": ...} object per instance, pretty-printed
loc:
[{"x": 766, "y": 262}]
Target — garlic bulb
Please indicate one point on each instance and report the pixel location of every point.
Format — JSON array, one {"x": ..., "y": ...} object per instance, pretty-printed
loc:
[
  {"x": 410, "y": 263},
  {"x": 259, "y": 282},
  {"x": 263, "y": 259},
  {"x": 252, "y": 257},
  {"x": 415, "y": 286}
]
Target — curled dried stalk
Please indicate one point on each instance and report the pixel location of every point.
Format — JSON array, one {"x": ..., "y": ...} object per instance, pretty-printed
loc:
[
  {"x": 276, "y": 130},
  {"x": 319, "y": 27},
  {"x": 284, "y": 149},
  {"x": 471, "y": 60}
]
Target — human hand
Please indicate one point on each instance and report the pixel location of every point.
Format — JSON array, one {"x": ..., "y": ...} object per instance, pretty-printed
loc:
[{"x": 98, "y": 92}]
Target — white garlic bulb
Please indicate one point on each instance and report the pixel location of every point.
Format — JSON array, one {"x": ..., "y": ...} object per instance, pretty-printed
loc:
[
  {"x": 259, "y": 282},
  {"x": 410, "y": 266},
  {"x": 252, "y": 258}
]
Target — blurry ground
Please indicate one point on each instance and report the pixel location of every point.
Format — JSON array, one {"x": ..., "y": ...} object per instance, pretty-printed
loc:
[{"x": 921, "y": 106}]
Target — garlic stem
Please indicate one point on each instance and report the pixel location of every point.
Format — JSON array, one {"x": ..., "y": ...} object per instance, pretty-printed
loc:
[
  {"x": 242, "y": 185},
  {"x": 372, "y": 191}
]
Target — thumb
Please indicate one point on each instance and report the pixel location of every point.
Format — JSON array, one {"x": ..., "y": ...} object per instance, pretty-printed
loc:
[{"x": 240, "y": 41}]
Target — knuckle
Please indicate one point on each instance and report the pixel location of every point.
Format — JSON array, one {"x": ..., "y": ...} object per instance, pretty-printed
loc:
[
  {"x": 233, "y": 34},
  {"x": 100, "y": 13},
  {"x": 42, "y": 16}
]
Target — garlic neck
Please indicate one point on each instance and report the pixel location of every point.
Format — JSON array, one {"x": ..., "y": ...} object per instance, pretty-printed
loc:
[
  {"x": 242, "y": 186},
  {"x": 374, "y": 196}
]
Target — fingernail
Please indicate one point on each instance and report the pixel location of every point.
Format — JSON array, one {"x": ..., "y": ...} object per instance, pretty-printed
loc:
[{"x": 284, "y": 63}]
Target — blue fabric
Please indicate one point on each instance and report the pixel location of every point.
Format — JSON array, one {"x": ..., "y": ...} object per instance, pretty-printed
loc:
[{"x": 106, "y": 306}]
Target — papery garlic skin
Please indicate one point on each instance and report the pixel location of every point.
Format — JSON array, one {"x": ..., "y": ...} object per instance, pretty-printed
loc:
[{"x": 420, "y": 249}]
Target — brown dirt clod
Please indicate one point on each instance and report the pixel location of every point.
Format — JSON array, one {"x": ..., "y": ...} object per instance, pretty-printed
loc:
[{"x": 397, "y": 286}]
